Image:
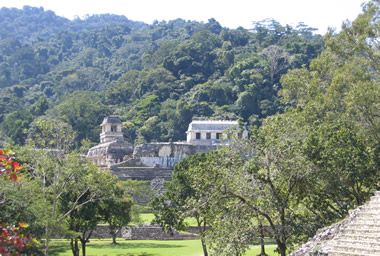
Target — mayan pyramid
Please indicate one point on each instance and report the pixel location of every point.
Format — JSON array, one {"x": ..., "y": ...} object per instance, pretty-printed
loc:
[{"x": 357, "y": 235}]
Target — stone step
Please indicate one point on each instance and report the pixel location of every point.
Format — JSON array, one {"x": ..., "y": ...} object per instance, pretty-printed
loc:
[
  {"x": 367, "y": 221},
  {"x": 363, "y": 225},
  {"x": 377, "y": 193},
  {"x": 372, "y": 207},
  {"x": 362, "y": 231},
  {"x": 375, "y": 199},
  {"x": 358, "y": 243},
  {"x": 339, "y": 253},
  {"x": 361, "y": 237},
  {"x": 367, "y": 214},
  {"x": 357, "y": 249}
]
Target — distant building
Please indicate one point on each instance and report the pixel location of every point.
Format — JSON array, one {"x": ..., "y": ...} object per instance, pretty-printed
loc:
[
  {"x": 112, "y": 147},
  {"x": 211, "y": 132},
  {"x": 154, "y": 162}
]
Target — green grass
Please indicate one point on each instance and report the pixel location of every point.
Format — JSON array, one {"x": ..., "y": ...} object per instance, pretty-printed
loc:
[
  {"x": 148, "y": 217},
  {"x": 143, "y": 248}
]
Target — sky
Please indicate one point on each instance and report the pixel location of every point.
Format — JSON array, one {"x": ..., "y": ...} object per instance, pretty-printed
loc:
[{"x": 319, "y": 14}]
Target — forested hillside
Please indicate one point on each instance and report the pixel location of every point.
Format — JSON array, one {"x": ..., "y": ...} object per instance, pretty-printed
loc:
[{"x": 71, "y": 74}]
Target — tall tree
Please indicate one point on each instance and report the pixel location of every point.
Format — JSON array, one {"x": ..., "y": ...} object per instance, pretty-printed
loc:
[
  {"x": 171, "y": 208},
  {"x": 80, "y": 204},
  {"x": 53, "y": 176},
  {"x": 47, "y": 133},
  {"x": 84, "y": 111},
  {"x": 116, "y": 210}
]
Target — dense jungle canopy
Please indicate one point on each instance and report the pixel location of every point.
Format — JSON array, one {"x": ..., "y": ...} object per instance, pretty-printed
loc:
[{"x": 157, "y": 77}]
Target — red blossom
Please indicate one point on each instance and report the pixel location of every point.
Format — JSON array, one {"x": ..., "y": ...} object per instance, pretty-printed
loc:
[{"x": 11, "y": 241}]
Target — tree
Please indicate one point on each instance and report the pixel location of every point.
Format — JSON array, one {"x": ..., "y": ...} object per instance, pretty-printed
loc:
[
  {"x": 116, "y": 210},
  {"x": 84, "y": 111},
  {"x": 39, "y": 107},
  {"x": 337, "y": 151},
  {"x": 52, "y": 175},
  {"x": 276, "y": 59},
  {"x": 259, "y": 179},
  {"x": 16, "y": 124},
  {"x": 47, "y": 133},
  {"x": 171, "y": 208},
  {"x": 150, "y": 131},
  {"x": 228, "y": 220},
  {"x": 79, "y": 205},
  {"x": 337, "y": 97}
]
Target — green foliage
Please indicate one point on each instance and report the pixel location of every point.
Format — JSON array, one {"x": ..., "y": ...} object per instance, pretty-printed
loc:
[
  {"x": 301, "y": 169},
  {"x": 16, "y": 124},
  {"x": 141, "y": 71},
  {"x": 116, "y": 210},
  {"x": 82, "y": 204},
  {"x": 171, "y": 208},
  {"x": 83, "y": 111},
  {"x": 52, "y": 134},
  {"x": 64, "y": 194}
]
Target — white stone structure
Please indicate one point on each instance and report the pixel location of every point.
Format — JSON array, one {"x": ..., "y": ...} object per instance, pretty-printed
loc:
[
  {"x": 212, "y": 132},
  {"x": 111, "y": 129},
  {"x": 202, "y": 136}
]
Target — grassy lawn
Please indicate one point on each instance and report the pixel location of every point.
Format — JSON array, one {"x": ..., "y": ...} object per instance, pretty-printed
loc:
[
  {"x": 103, "y": 247},
  {"x": 143, "y": 248}
]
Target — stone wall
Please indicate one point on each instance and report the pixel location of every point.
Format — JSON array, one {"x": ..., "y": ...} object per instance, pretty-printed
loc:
[
  {"x": 141, "y": 173},
  {"x": 143, "y": 232},
  {"x": 154, "y": 232},
  {"x": 149, "y": 232},
  {"x": 164, "y": 154}
]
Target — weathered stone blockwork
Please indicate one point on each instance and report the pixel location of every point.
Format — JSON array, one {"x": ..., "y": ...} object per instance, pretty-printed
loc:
[
  {"x": 154, "y": 162},
  {"x": 142, "y": 232},
  {"x": 357, "y": 235},
  {"x": 141, "y": 173}
]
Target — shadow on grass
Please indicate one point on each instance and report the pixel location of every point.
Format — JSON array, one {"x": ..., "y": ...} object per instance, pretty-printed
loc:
[
  {"x": 57, "y": 249},
  {"x": 130, "y": 254},
  {"x": 139, "y": 245}
]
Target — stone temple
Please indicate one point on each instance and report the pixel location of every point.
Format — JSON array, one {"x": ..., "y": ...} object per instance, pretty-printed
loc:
[
  {"x": 112, "y": 147},
  {"x": 155, "y": 161}
]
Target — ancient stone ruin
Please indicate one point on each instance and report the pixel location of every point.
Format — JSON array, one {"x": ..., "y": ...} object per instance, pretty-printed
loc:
[
  {"x": 357, "y": 235},
  {"x": 112, "y": 147},
  {"x": 154, "y": 162}
]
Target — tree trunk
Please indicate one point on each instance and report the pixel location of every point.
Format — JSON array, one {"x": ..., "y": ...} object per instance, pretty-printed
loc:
[
  {"x": 74, "y": 247},
  {"x": 204, "y": 247},
  {"x": 84, "y": 240},
  {"x": 201, "y": 231},
  {"x": 83, "y": 247},
  {"x": 114, "y": 238},
  {"x": 113, "y": 233},
  {"x": 282, "y": 248},
  {"x": 262, "y": 241},
  {"x": 47, "y": 239}
]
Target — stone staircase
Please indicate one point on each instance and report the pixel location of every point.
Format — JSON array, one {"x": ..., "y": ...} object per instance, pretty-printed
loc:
[{"x": 361, "y": 237}]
